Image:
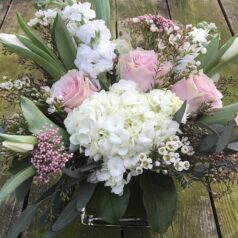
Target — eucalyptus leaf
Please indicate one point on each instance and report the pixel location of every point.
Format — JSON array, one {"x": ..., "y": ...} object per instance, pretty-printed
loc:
[
  {"x": 64, "y": 43},
  {"x": 23, "y": 222},
  {"x": 75, "y": 173},
  {"x": 178, "y": 116},
  {"x": 233, "y": 146},
  {"x": 208, "y": 143},
  {"x": 67, "y": 216},
  {"x": 37, "y": 121},
  {"x": 22, "y": 190},
  {"x": 225, "y": 137},
  {"x": 15, "y": 180},
  {"x": 220, "y": 116},
  {"x": 107, "y": 205},
  {"x": 85, "y": 193},
  {"x": 159, "y": 198}
]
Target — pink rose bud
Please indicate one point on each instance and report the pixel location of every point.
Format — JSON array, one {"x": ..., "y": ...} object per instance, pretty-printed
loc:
[
  {"x": 73, "y": 88},
  {"x": 139, "y": 66},
  {"x": 196, "y": 90}
]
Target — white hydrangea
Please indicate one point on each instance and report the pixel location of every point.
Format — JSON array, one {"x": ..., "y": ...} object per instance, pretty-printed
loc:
[{"x": 118, "y": 126}]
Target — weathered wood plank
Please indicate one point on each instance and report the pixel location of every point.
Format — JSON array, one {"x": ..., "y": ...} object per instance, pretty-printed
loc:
[
  {"x": 227, "y": 210},
  {"x": 231, "y": 10},
  {"x": 194, "y": 217},
  {"x": 4, "y": 6},
  {"x": 187, "y": 11},
  {"x": 193, "y": 11},
  {"x": 11, "y": 208}
]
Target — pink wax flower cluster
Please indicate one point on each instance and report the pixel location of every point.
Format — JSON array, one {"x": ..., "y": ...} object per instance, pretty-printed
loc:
[
  {"x": 73, "y": 88},
  {"x": 162, "y": 23},
  {"x": 196, "y": 90},
  {"x": 50, "y": 154}
]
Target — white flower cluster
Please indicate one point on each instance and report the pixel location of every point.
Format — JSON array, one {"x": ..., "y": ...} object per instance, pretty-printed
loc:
[
  {"x": 120, "y": 128},
  {"x": 43, "y": 17},
  {"x": 96, "y": 52},
  {"x": 172, "y": 149},
  {"x": 16, "y": 84}
]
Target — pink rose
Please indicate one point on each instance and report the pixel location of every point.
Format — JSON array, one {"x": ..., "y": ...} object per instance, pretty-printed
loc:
[
  {"x": 73, "y": 88},
  {"x": 139, "y": 66},
  {"x": 196, "y": 90}
]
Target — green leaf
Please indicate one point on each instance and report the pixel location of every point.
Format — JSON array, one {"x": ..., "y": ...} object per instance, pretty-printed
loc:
[
  {"x": 221, "y": 116},
  {"x": 42, "y": 54},
  {"x": 67, "y": 216},
  {"x": 208, "y": 142},
  {"x": 37, "y": 121},
  {"x": 18, "y": 138},
  {"x": 26, "y": 53},
  {"x": 107, "y": 205},
  {"x": 34, "y": 38},
  {"x": 211, "y": 55},
  {"x": 178, "y": 116},
  {"x": 103, "y": 11},
  {"x": 22, "y": 190},
  {"x": 23, "y": 222},
  {"x": 73, "y": 173},
  {"x": 64, "y": 43},
  {"x": 159, "y": 197},
  {"x": 85, "y": 193},
  {"x": 233, "y": 146},
  {"x": 16, "y": 180},
  {"x": 225, "y": 137}
]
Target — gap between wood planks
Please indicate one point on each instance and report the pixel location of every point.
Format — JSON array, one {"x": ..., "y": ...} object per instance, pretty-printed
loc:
[{"x": 5, "y": 14}]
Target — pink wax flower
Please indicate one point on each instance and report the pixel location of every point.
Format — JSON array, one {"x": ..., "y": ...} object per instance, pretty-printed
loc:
[
  {"x": 198, "y": 89},
  {"x": 49, "y": 155},
  {"x": 73, "y": 88},
  {"x": 139, "y": 66}
]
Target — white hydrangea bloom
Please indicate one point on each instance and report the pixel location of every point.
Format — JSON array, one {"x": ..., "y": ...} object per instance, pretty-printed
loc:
[{"x": 118, "y": 126}]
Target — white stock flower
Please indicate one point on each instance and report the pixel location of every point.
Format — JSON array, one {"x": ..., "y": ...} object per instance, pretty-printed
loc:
[
  {"x": 94, "y": 31},
  {"x": 78, "y": 11},
  {"x": 119, "y": 126}
]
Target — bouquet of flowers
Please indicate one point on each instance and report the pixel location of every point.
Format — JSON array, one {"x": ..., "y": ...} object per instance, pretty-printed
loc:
[{"x": 109, "y": 117}]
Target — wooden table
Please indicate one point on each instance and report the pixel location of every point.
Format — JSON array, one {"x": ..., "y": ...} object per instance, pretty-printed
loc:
[{"x": 200, "y": 214}]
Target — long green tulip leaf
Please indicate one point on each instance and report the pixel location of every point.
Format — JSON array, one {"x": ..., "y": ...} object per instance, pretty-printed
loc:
[
  {"x": 15, "y": 181},
  {"x": 64, "y": 43}
]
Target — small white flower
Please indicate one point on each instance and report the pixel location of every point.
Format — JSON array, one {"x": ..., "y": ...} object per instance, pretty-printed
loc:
[
  {"x": 18, "y": 84},
  {"x": 186, "y": 165},
  {"x": 179, "y": 165}
]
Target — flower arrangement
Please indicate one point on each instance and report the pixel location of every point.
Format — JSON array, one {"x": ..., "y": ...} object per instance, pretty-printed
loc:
[{"x": 108, "y": 115}]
